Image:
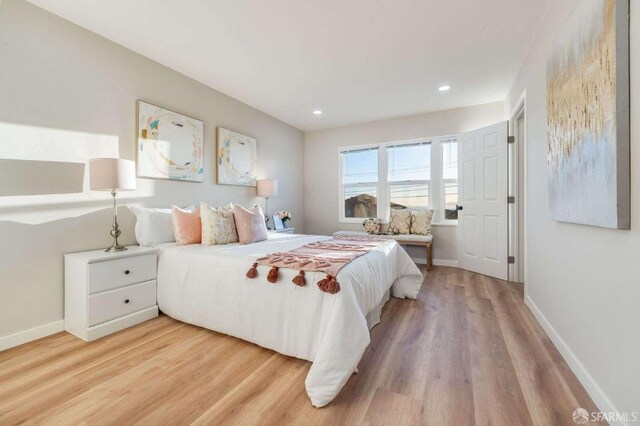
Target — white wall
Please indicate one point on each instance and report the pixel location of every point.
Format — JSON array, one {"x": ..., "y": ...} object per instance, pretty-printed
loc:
[
  {"x": 582, "y": 282},
  {"x": 321, "y": 165},
  {"x": 67, "y": 95}
]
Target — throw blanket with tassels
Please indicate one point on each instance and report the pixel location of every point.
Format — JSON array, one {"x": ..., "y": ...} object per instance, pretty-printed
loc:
[{"x": 327, "y": 256}]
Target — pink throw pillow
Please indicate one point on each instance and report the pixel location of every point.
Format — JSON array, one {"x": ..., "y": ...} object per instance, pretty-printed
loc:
[
  {"x": 250, "y": 224},
  {"x": 187, "y": 226}
]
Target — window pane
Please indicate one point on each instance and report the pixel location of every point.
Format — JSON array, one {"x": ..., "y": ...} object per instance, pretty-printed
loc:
[
  {"x": 409, "y": 195},
  {"x": 450, "y": 159},
  {"x": 450, "y": 199},
  {"x": 409, "y": 162},
  {"x": 360, "y": 201},
  {"x": 360, "y": 166},
  {"x": 450, "y": 177}
]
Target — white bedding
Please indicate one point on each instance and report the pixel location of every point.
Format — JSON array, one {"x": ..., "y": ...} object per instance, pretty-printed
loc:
[{"x": 207, "y": 286}]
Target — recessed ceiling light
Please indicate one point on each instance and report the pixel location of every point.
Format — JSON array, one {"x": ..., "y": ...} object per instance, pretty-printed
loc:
[
  {"x": 317, "y": 112},
  {"x": 444, "y": 88}
]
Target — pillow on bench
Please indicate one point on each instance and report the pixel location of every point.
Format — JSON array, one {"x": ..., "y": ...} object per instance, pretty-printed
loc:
[
  {"x": 399, "y": 221},
  {"x": 371, "y": 226},
  {"x": 421, "y": 222}
]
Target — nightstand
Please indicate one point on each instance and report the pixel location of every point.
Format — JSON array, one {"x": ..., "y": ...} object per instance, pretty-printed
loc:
[
  {"x": 283, "y": 231},
  {"x": 107, "y": 292}
]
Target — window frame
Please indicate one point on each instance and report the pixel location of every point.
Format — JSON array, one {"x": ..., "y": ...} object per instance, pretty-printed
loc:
[
  {"x": 435, "y": 184},
  {"x": 341, "y": 185},
  {"x": 443, "y": 220},
  {"x": 439, "y": 214},
  {"x": 427, "y": 182}
]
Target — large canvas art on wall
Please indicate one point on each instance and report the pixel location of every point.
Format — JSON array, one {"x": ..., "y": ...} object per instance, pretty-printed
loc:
[
  {"x": 170, "y": 145},
  {"x": 588, "y": 116},
  {"x": 237, "y": 158}
]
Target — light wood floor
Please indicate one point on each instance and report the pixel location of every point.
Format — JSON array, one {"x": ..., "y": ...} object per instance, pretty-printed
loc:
[{"x": 468, "y": 351}]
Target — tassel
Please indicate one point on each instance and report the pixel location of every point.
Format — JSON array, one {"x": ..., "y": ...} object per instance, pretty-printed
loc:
[
  {"x": 253, "y": 271},
  {"x": 329, "y": 285},
  {"x": 299, "y": 279},
  {"x": 322, "y": 284},
  {"x": 332, "y": 286},
  {"x": 273, "y": 275}
]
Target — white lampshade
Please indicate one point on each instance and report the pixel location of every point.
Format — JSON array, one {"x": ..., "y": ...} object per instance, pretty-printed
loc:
[
  {"x": 108, "y": 174},
  {"x": 267, "y": 188}
]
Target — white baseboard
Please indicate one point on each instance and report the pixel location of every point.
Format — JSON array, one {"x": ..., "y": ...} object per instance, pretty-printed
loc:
[
  {"x": 437, "y": 262},
  {"x": 601, "y": 400},
  {"x": 30, "y": 335}
]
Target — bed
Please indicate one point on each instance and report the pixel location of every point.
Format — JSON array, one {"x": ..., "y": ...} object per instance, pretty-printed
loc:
[{"x": 207, "y": 286}]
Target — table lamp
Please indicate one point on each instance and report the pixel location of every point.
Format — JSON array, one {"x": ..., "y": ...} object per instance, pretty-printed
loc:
[
  {"x": 112, "y": 174},
  {"x": 267, "y": 188}
]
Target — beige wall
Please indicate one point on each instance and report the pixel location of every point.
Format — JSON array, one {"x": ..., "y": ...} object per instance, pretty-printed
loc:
[
  {"x": 67, "y": 95},
  {"x": 321, "y": 164},
  {"x": 582, "y": 282}
]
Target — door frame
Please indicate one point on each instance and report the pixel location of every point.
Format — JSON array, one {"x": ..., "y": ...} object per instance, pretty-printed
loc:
[{"x": 515, "y": 176}]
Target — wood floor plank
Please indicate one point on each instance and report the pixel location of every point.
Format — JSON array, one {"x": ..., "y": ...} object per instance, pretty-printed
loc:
[
  {"x": 467, "y": 351},
  {"x": 261, "y": 398},
  {"x": 42, "y": 354},
  {"x": 119, "y": 380},
  {"x": 497, "y": 395},
  {"x": 65, "y": 382},
  {"x": 212, "y": 378},
  {"x": 24, "y": 382},
  {"x": 393, "y": 409},
  {"x": 550, "y": 399},
  {"x": 449, "y": 379}
]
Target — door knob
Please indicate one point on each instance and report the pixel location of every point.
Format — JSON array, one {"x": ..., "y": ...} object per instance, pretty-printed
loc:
[{"x": 458, "y": 207}]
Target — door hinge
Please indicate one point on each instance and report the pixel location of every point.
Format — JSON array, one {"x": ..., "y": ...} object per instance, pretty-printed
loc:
[
  {"x": 511, "y": 199},
  {"x": 511, "y": 139},
  {"x": 511, "y": 259}
]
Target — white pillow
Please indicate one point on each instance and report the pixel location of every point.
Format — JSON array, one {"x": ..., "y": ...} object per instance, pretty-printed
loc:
[{"x": 154, "y": 226}]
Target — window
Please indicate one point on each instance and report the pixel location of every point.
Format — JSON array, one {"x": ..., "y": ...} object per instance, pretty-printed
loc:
[
  {"x": 450, "y": 178},
  {"x": 418, "y": 174},
  {"x": 409, "y": 167},
  {"x": 360, "y": 183}
]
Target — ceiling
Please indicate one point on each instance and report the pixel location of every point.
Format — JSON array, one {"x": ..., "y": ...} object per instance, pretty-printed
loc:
[{"x": 356, "y": 60}]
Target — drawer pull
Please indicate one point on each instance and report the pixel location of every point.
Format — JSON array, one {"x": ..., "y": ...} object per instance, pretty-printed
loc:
[
  {"x": 126, "y": 300},
  {"x": 127, "y": 272}
]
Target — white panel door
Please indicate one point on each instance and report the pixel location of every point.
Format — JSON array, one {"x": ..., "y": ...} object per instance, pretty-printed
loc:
[{"x": 482, "y": 201}]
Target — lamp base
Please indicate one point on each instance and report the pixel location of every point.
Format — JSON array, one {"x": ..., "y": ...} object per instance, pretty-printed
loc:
[
  {"x": 116, "y": 247},
  {"x": 115, "y": 230}
]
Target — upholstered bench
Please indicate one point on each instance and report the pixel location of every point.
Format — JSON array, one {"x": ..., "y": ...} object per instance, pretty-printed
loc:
[{"x": 406, "y": 239}]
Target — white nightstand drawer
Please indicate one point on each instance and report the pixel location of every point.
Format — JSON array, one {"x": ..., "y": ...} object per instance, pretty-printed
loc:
[
  {"x": 116, "y": 303},
  {"x": 120, "y": 272}
]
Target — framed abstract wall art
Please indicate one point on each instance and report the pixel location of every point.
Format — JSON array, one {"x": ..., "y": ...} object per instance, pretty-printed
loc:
[
  {"x": 588, "y": 117},
  {"x": 170, "y": 145},
  {"x": 237, "y": 158}
]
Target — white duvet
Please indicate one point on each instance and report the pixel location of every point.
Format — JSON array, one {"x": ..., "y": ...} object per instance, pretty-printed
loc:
[{"x": 207, "y": 286}]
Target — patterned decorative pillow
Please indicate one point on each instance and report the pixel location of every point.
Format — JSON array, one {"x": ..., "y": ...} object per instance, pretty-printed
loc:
[
  {"x": 218, "y": 225},
  {"x": 251, "y": 225},
  {"x": 421, "y": 222},
  {"x": 371, "y": 226},
  {"x": 399, "y": 221}
]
